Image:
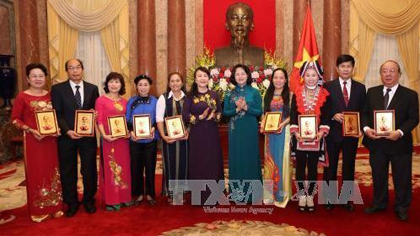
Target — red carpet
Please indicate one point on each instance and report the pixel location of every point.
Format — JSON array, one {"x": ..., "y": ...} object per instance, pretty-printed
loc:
[{"x": 147, "y": 220}]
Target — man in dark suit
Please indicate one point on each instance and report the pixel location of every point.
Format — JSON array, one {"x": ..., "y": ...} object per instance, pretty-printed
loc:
[
  {"x": 67, "y": 97},
  {"x": 397, "y": 146},
  {"x": 347, "y": 95}
]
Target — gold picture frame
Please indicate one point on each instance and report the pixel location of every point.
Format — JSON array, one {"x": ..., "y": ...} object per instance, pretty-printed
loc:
[
  {"x": 142, "y": 126},
  {"x": 46, "y": 122},
  {"x": 84, "y": 123},
  {"x": 117, "y": 126},
  {"x": 175, "y": 127},
  {"x": 351, "y": 124},
  {"x": 272, "y": 121},
  {"x": 308, "y": 127},
  {"x": 384, "y": 122}
]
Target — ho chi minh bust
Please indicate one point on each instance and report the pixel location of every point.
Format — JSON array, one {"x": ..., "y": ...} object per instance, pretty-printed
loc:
[{"x": 239, "y": 21}]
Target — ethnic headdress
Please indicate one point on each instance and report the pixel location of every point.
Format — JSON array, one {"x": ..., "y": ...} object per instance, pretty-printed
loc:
[{"x": 312, "y": 65}]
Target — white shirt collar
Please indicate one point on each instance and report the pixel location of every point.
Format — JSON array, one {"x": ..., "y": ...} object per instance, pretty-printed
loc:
[
  {"x": 73, "y": 84},
  {"x": 170, "y": 94},
  {"x": 342, "y": 81},
  {"x": 393, "y": 88}
]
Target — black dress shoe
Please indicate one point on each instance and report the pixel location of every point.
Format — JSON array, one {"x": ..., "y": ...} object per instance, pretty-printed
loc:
[
  {"x": 349, "y": 206},
  {"x": 329, "y": 206},
  {"x": 90, "y": 208},
  {"x": 374, "y": 209},
  {"x": 72, "y": 211},
  {"x": 402, "y": 215}
]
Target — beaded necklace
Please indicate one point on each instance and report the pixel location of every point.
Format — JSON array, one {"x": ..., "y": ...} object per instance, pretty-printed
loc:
[{"x": 310, "y": 97}]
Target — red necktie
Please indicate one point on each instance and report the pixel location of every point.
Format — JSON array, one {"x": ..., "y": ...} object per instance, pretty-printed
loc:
[{"x": 345, "y": 94}]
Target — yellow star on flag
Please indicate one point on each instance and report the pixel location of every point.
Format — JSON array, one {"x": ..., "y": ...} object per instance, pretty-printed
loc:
[{"x": 305, "y": 57}]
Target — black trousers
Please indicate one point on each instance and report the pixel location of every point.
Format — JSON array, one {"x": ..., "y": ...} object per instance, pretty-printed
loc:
[
  {"x": 401, "y": 165},
  {"x": 68, "y": 150},
  {"x": 307, "y": 159},
  {"x": 349, "y": 149},
  {"x": 143, "y": 160}
]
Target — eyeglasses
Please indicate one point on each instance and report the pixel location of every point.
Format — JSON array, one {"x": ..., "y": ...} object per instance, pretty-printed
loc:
[
  {"x": 74, "y": 67},
  {"x": 392, "y": 71}
]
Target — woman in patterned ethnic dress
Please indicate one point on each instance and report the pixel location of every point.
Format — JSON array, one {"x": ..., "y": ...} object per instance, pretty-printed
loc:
[
  {"x": 143, "y": 151},
  {"x": 115, "y": 176},
  {"x": 202, "y": 110},
  {"x": 277, "y": 149},
  {"x": 309, "y": 99},
  {"x": 43, "y": 184},
  {"x": 175, "y": 152}
]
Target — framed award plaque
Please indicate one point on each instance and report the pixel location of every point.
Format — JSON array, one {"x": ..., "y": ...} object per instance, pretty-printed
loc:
[
  {"x": 384, "y": 122},
  {"x": 142, "y": 126},
  {"x": 175, "y": 127},
  {"x": 351, "y": 124},
  {"x": 117, "y": 126},
  {"x": 272, "y": 122},
  {"x": 308, "y": 126},
  {"x": 46, "y": 122},
  {"x": 84, "y": 123}
]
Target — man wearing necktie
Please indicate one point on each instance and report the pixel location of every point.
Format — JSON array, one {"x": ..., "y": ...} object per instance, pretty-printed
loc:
[
  {"x": 397, "y": 146},
  {"x": 67, "y": 97},
  {"x": 346, "y": 94}
]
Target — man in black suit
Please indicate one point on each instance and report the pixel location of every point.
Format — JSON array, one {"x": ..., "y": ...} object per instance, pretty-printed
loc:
[
  {"x": 67, "y": 97},
  {"x": 397, "y": 146},
  {"x": 347, "y": 95}
]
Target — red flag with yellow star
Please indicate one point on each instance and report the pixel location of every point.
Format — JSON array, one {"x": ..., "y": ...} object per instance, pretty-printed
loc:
[{"x": 308, "y": 50}]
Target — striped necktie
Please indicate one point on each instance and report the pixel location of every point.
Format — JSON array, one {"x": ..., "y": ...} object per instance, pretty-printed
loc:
[
  {"x": 386, "y": 98},
  {"x": 78, "y": 97}
]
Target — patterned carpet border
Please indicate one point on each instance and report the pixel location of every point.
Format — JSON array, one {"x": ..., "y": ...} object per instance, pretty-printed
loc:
[{"x": 254, "y": 228}]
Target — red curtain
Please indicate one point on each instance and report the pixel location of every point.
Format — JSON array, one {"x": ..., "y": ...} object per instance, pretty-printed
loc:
[{"x": 216, "y": 35}]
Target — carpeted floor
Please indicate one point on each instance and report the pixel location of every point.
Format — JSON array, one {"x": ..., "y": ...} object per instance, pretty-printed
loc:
[{"x": 261, "y": 220}]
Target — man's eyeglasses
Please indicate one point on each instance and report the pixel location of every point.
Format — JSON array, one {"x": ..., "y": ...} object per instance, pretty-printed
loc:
[
  {"x": 74, "y": 67},
  {"x": 391, "y": 71}
]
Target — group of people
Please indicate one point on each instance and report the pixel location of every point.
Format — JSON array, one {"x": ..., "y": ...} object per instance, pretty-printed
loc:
[{"x": 127, "y": 164}]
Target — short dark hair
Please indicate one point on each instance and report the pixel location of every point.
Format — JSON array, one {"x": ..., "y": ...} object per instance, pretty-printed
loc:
[
  {"x": 67, "y": 62},
  {"x": 203, "y": 69},
  {"x": 115, "y": 75},
  {"x": 168, "y": 89},
  {"x": 248, "y": 8},
  {"x": 140, "y": 77},
  {"x": 32, "y": 66},
  {"x": 247, "y": 71},
  {"x": 345, "y": 58}
]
